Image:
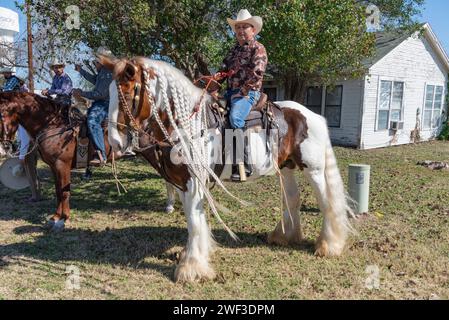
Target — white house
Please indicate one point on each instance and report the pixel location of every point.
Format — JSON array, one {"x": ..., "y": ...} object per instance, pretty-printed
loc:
[{"x": 401, "y": 99}]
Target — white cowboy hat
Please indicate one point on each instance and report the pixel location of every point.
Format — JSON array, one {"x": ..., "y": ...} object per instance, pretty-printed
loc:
[
  {"x": 12, "y": 174},
  {"x": 57, "y": 62},
  {"x": 6, "y": 70},
  {"x": 245, "y": 17}
]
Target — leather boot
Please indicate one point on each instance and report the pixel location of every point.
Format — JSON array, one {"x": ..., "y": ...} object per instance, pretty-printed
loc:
[
  {"x": 246, "y": 160},
  {"x": 235, "y": 173}
]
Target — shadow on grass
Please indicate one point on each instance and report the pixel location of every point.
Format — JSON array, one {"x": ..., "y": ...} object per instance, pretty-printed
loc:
[
  {"x": 123, "y": 247},
  {"x": 146, "y": 192},
  {"x": 310, "y": 209}
]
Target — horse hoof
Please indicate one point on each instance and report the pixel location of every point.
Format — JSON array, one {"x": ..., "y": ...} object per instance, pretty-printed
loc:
[
  {"x": 274, "y": 239},
  {"x": 58, "y": 226},
  {"x": 169, "y": 209},
  {"x": 190, "y": 270}
]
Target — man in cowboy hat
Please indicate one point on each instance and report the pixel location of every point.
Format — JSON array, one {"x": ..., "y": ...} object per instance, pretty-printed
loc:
[
  {"x": 244, "y": 68},
  {"x": 100, "y": 107},
  {"x": 12, "y": 82},
  {"x": 61, "y": 85}
]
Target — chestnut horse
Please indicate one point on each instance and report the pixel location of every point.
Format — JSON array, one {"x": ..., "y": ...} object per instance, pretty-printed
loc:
[
  {"x": 169, "y": 103},
  {"x": 49, "y": 127}
]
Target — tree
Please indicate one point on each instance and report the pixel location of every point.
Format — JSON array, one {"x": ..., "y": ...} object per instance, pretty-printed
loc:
[
  {"x": 188, "y": 33},
  {"x": 308, "y": 41}
]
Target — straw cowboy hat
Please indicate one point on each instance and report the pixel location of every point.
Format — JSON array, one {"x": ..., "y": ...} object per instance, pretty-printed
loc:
[
  {"x": 245, "y": 17},
  {"x": 12, "y": 174},
  {"x": 57, "y": 62}
]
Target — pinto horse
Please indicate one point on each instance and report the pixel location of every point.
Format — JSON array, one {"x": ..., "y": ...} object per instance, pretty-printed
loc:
[
  {"x": 48, "y": 125},
  {"x": 170, "y": 102}
]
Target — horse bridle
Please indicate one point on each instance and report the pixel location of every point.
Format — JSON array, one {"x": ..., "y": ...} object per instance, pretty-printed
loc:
[
  {"x": 135, "y": 128},
  {"x": 125, "y": 105}
]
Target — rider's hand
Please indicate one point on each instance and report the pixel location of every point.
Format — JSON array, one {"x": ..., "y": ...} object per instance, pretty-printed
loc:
[
  {"x": 218, "y": 76},
  {"x": 44, "y": 92},
  {"x": 78, "y": 67}
]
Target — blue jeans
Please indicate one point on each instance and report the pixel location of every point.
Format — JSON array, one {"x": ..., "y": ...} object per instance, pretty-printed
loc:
[
  {"x": 240, "y": 107},
  {"x": 95, "y": 116}
]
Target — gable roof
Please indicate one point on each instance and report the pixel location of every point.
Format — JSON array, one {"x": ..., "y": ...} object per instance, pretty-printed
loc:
[
  {"x": 385, "y": 43},
  {"x": 388, "y": 41}
]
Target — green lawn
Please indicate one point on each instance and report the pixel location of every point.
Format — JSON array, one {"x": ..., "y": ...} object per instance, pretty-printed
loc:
[{"x": 126, "y": 246}]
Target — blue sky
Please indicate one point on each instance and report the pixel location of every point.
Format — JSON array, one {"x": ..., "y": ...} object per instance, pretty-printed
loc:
[{"x": 435, "y": 12}]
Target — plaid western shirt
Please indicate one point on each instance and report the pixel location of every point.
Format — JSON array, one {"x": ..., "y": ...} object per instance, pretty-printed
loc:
[
  {"x": 61, "y": 85},
  {"x": 248, "y": 63},
  {"x": 12, "y": 84}
]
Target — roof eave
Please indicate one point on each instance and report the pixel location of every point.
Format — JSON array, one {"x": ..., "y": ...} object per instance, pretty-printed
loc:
[{"x": 436, "y": 45}]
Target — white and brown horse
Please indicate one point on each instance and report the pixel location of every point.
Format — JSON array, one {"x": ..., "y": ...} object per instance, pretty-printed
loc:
[{"x": 168, "y": 103}]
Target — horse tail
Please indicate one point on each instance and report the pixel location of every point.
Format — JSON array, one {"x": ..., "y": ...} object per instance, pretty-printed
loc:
[{"x": 338, "y": 209}]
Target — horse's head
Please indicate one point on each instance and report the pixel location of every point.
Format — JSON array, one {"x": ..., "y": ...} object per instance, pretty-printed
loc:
[
  {"x": 130, "y": 104},
  {"x": 9, "y": 121}
]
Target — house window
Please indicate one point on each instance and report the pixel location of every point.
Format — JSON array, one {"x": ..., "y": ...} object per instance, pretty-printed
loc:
[
  {"x": 272, "y": 93},
  {"x": 313, "y": 99},
  {"x": 433, "y": 107},
  {"x": 332, "y": 111},
  {"x": 390, "y": 103}
]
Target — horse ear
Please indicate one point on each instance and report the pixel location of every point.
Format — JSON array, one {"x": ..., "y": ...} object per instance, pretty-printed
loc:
[{"x": 130, "y": 70}]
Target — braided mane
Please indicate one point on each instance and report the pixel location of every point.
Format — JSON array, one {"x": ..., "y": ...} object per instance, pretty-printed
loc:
[{"x": 189, "y": 126}]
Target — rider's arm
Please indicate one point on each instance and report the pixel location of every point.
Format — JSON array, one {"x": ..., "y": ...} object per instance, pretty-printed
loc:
[
  {"x": 101, "y": 90},
  {"x": 220, "y": 76},
  {"x": 89, "y": 77}
]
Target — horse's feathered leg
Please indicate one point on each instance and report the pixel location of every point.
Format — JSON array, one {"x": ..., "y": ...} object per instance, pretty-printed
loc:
[
  {"x": 288, "y": 231},
  {"x": 312, "y": 151},
  {"x": 329, "y": 190},
  {"x": 194, "y": 260}
]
